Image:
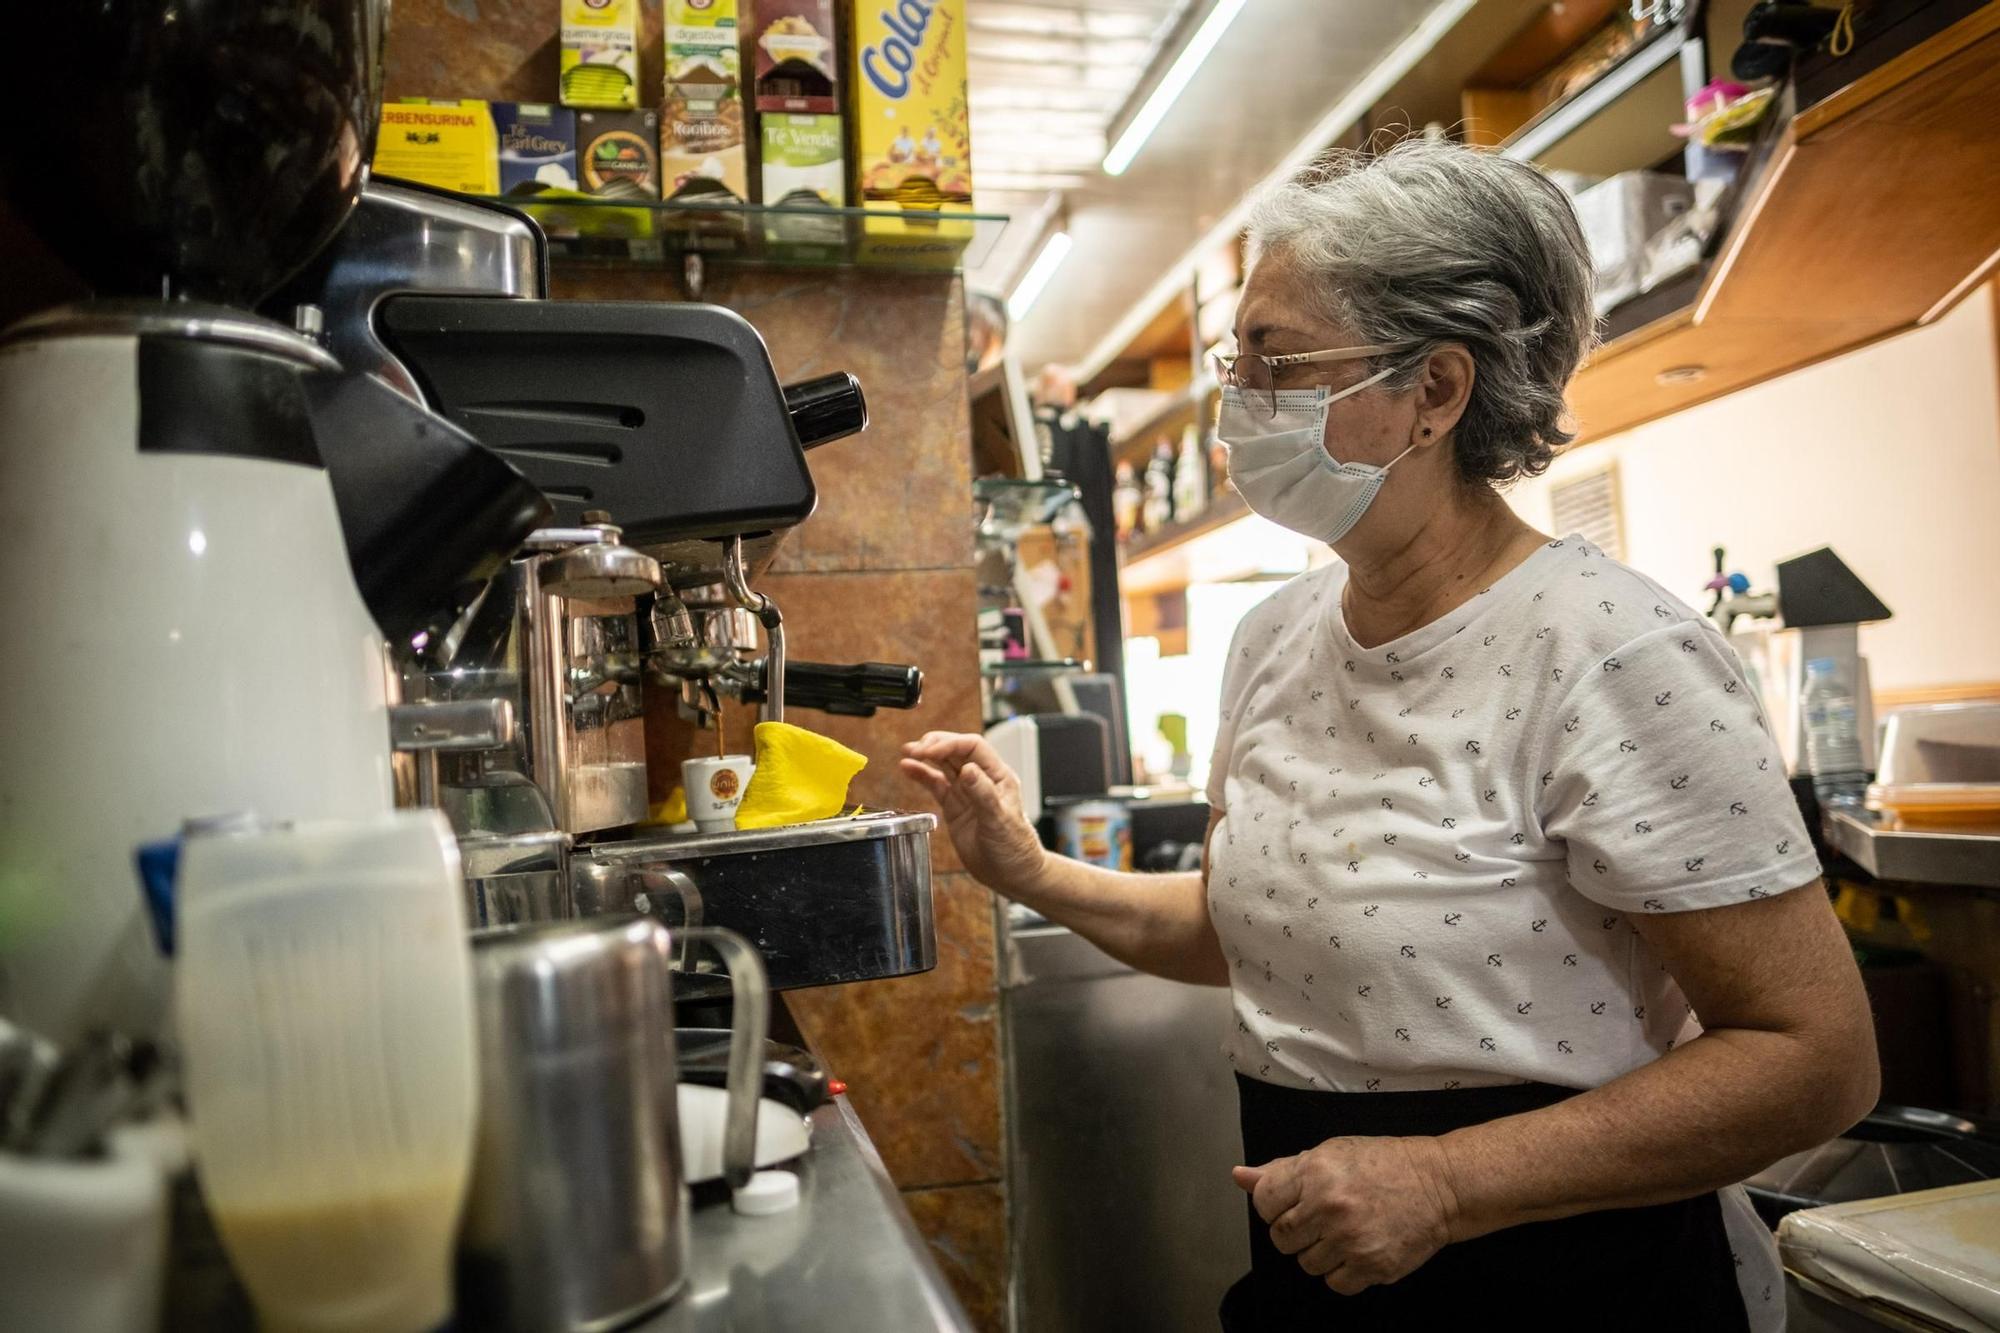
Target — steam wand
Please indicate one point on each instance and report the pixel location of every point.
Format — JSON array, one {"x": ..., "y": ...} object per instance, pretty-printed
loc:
[{"x": 766, "y": 611}]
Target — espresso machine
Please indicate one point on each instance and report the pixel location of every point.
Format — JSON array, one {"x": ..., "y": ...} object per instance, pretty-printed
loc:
[
  {"x": 228, "y": 528},
  {"x": 675, "y": 463}
]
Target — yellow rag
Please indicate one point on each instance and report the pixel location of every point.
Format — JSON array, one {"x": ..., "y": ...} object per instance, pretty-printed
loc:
[
  {"x": 801, "y": 776},
  {"x": 673, "y": 810}
]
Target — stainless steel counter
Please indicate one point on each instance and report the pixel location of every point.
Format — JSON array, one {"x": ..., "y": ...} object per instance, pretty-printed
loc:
[
  {"x": 1122, "y": 1116},
  {"x": 1968, "y": 859},
  {"x": 848, "y": 1257}
]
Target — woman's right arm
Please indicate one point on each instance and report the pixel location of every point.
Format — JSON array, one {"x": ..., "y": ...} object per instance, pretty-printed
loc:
[{"x": 1156, "y": 923}]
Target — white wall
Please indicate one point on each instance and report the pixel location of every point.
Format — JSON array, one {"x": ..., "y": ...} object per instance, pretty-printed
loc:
[{"x": 1890, "y": 455}]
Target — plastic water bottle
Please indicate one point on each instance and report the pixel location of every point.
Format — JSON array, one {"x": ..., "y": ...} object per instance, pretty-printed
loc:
[{"x": 1833, "y": 736}]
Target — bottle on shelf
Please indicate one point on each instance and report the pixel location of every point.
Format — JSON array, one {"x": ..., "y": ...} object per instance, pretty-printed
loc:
[
  {"x": 1126, "y": 500},
  {"x": 1159, "y": 507},
  {"x": 1218, "y": 467},
  {"x": 1190, "y": 477},
  {"x": 1833, "y": 736}
]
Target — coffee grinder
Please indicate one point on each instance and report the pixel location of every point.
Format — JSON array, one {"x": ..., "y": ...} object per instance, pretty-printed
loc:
[{"x": 225, "y": 526}]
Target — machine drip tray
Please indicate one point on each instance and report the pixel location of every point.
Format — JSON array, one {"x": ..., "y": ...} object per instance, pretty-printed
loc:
[{"x": 826, "y": 903}]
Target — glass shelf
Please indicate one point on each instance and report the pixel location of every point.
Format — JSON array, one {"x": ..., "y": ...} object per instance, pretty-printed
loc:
[
  {"x": 1010, "y": 506},
  {"x": 1033, "y": 669},
  {"x": 654, "y": 233}
]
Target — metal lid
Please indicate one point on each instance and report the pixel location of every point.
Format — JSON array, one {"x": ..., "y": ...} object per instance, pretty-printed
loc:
[
  {"x": 821, "y": 832},
  {"x": 172, "y": 319}
]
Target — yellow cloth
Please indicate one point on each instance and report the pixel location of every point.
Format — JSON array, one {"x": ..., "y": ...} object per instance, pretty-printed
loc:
[
  {"x": 673, "y": 810},
  {"x": 801, "y": 776}
]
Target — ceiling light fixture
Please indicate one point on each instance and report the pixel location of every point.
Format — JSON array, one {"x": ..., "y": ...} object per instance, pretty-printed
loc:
[
  {"x": 1179, "y": 74},
  {"x": 1399, "y": 61},
  {"x": 1037, "y": 277}
]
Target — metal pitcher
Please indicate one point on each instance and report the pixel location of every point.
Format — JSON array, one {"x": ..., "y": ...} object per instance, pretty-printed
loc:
[{"x": 578, "y": 1215}]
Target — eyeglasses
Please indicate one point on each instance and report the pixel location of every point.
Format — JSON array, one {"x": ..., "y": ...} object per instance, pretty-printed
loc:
[{"x": 1255, "y": 374}]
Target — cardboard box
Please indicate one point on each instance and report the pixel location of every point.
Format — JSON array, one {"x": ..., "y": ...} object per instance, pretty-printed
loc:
[
  {"x": 801, "y": 159},
  {"x": 912, "y": 127},
  {"x": 446, "y": 144},
  {"x": 600, "y": 54},
  {"x": 702, "y": 116},
  {"x": 797, "y": 64},
  {"x": 537, "y": 146},
  {"x": 618, "y": 153}
]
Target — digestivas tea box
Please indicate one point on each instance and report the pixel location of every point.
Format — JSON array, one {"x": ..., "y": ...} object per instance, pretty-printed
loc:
[{"x": 703, "y": 144}]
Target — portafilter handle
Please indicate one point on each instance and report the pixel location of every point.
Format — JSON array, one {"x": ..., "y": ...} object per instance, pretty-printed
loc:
[
  {"x": 826, "y": 408},
  {"x": 849, "y": 691}
]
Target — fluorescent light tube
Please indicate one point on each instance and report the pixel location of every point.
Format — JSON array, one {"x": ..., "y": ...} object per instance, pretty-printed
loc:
[
  {"x": 1054, "y": 250},
  {"x": 1178, "y": 76}
]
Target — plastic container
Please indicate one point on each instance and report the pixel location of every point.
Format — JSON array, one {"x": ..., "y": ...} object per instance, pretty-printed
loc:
[
  {"x": 1833, "y": 736},
  {"x": 325, "y": 1010},
  {"x": 1098, "y": 833},
  {"x": 1940, "y": 767},
  {"x": 83, "y": 1243}
]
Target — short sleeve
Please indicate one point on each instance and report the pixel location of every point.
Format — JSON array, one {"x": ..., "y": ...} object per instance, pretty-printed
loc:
[
  {"x": 1228, "y": 712},
  {"x": 1663, "y": 780}
]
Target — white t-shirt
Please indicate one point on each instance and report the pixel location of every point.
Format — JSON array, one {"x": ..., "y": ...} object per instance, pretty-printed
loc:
[{"x": 1431, "y": 849}]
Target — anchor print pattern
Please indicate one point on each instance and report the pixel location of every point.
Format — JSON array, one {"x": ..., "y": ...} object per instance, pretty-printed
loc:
[{"x": 1461, "y": 893}]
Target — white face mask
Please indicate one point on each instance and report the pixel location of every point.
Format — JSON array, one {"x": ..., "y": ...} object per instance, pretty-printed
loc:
[{"x": 1283, "y": 469}]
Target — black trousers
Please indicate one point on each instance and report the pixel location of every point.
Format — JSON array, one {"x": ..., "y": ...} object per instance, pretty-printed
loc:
[{"x": 1664, "y": 1267}]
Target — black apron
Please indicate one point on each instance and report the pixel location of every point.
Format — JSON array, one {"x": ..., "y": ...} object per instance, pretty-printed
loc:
[{"x": 1663, "y": 1267}]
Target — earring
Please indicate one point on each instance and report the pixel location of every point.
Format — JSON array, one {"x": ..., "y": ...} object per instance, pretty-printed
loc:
[{"x": 1427, "y": 432}]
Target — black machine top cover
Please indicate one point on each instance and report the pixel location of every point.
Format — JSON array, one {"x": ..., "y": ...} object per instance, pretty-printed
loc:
[
  {"x": 429, "y": 515},
  {"x": 199, "y": 149},
  {"x": 670, "y": 417}
]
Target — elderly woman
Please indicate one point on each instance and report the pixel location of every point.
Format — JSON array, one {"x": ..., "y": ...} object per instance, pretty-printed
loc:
[{"x": 1494, "y": 820}]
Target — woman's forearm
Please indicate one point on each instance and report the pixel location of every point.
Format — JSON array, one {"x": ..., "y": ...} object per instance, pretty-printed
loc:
[
  {"x": 1156, "y": 923},
  {"x": 1704, "y": 1116}
]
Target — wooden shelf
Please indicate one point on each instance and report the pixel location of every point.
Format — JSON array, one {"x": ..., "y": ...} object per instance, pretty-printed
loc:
[
  {"x": 1224, "y": 508},
  {"x": 1878, "y": 209},
  {"x": 1187, "y": 404},
  {"x": 1619, "y": 122}
]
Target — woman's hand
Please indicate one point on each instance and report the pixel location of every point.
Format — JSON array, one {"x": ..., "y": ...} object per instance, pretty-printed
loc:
[
  {"x": 981, "y": 801},
  {"x": 1357, "y": 1212}
]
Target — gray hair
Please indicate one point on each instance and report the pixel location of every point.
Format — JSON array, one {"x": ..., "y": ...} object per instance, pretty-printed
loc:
[{"x": 1433, "y": 243}]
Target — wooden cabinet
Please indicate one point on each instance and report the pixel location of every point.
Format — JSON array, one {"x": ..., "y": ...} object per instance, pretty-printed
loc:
[{"x": 1878, "y": 211}]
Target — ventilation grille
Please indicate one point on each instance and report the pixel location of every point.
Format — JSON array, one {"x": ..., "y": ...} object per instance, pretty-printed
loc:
[{"x": 1589, "y": 505}]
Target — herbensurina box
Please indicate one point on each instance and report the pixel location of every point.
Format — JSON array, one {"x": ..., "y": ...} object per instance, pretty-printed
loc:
[
  {"x": 437, "y": 142},
  {"x": 912, "y": 131}
]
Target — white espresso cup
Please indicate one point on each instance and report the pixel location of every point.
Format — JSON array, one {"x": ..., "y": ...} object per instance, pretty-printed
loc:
[{"x": 715, "y": 787}]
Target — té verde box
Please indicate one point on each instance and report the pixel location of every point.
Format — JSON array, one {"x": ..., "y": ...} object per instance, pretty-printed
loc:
[{"x": 802, "y": 161}]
